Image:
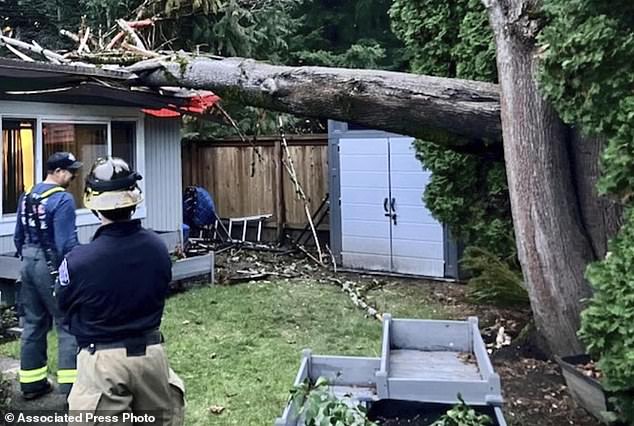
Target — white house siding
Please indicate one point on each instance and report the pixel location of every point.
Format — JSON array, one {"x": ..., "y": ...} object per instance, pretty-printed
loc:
[
  {"x": 163, "y": 178},
  {"x": 6, "y": 244}
]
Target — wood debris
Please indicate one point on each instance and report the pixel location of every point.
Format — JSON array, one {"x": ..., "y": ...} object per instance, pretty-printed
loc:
[{"x": 216, "y": 409}]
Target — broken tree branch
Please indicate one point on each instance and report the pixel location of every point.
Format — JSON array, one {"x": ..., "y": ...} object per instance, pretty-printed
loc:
[
  {"x": 357, "y": 298},
  {"x": 142, "y": 52},
  {"x": 309, "y": 254},
  {"x": 70, "y": 35},
  {"x": 19, "y": 54},
  {"x": 83, "y": 45},
  {"x": 233, "y": 123},
  {"x": 298, "y": 188},
  {"x": 35, "y": 48},
  {"x": 332, "y": 259},
  {"x": 117, "y": 38},
  {"x": 141, "y": 24},
  {"x": 131, "y": 33}
]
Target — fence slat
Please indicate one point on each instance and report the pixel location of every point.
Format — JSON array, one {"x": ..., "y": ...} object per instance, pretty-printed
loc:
[{"x": 224, "y": 168}]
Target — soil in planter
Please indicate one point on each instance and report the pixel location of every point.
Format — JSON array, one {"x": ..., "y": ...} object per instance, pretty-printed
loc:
[
  {"x": 407, "y": 413},
  {"x": 590, "y": 369}
]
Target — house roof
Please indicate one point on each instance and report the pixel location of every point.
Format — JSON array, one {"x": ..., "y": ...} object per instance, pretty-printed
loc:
[{"x": 81, "y": 84}]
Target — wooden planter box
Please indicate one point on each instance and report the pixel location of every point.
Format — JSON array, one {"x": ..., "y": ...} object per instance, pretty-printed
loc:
[
  {"x": 421, "y": 361},
  {"x": 353, "y": 376},
  {"x": 193, "y": 267},
  {"x": 587, "y": 391},
  {"x": 433, "y": 361},
  {"x": 181, "y": 269}
]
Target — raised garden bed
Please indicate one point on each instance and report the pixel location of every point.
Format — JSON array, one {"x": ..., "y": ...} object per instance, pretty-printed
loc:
[
  {"x": 193, "y": 267},
  {"x": 433, "y": 361},
  {"x": 422, "y": 361}
]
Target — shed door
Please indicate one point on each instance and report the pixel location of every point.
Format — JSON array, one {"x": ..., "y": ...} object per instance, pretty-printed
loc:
[
  {"x": 417, "y": 238},
  {"x": 365, "y": 231}
]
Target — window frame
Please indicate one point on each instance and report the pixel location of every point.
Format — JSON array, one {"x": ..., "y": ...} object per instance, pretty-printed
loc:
[{"x": 72, "y": 114}]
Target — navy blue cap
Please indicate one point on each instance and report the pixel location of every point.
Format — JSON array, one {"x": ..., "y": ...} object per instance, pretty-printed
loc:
[{"x": 63, "y": 160}]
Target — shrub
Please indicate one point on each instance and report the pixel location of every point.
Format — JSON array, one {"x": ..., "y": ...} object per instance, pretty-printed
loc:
[
  {"x": 463, "y": 415},
  {"x": 319, "y": 406},
  {"x": 608, "y": 321},
  {"x": 496, "y": 281}
]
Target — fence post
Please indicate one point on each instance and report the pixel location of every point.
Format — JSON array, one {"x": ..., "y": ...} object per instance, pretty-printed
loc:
[{"x": 280, "y": 210}]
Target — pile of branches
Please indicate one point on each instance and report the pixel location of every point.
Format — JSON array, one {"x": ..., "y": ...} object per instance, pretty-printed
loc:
[{"x": 128, "y": 44}]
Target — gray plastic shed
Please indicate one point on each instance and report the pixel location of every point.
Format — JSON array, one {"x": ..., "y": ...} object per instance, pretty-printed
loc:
[{"x": 378, "y": 220}]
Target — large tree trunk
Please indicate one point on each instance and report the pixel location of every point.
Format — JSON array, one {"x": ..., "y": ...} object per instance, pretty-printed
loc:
[
  {"x": 553, "y": 246},
  {"x": 461, "y": 114},
  {"x": 601, "y": 217}
]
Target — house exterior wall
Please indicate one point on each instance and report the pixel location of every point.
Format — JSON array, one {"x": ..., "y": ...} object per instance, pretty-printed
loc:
[
  {"x": 163, "y": 174},
  {"x": 158, "y": 160}
]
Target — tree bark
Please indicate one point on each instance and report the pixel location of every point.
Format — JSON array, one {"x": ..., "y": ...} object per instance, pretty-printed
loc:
[
  {"x": 461, "y": 114},
  {"x": 553, "y": 246},
  {"x": 601, "y": 217}
]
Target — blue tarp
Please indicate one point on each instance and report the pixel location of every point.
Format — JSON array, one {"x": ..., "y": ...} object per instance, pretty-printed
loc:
[{"x": 198, "y": 207}]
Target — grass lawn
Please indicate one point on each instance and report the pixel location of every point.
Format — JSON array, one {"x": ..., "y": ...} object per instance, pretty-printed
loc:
[{"x": 239, "y": 347}]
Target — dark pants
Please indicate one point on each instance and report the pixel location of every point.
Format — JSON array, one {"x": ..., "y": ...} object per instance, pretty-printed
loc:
[{"x": 40, "y": 312}]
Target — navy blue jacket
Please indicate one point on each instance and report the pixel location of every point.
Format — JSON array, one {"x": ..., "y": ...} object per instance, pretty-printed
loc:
[
  {"x": 115, "y": 286},
  {"x": 60, "y": 222}
]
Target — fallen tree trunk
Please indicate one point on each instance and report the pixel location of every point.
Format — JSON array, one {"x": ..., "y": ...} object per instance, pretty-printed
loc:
[{"x": 460, "y": 114}]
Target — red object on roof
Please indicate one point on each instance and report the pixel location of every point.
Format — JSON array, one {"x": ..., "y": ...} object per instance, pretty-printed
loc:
[{"x": 198, "y": 104}]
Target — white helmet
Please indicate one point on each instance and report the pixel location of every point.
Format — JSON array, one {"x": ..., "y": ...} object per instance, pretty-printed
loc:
[{"x": 112, "y": 185}]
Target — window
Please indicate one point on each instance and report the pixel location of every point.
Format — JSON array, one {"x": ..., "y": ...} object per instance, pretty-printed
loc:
[
  {"x": 18, "y": 161},
  {"x": 86, "y": 141},
  {"x": 124, "y": 141},
  {"x": 24, "y": 152}
]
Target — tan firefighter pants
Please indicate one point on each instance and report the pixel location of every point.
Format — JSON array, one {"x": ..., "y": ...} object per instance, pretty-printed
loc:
[{"x": 110, "y": 383}]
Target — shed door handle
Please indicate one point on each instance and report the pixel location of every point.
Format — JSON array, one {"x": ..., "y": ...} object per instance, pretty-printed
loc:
[{"x": 393, "y": 209}]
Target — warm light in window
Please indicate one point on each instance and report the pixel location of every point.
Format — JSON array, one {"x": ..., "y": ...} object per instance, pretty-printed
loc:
[{"x": 28, "y": 170}]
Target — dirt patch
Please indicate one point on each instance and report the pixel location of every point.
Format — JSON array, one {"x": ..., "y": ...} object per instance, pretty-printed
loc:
[{"x": 404, "y": 413}]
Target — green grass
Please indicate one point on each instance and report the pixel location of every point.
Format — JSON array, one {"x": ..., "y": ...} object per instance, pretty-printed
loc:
[{"x": 239, "y": 347}]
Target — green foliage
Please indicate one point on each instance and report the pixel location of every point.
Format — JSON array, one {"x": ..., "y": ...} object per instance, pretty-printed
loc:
[
  {"x": 588, "y": 51},
  {"x": 587, "y": 56},
  {"x": 474, "y": 53},
  {"x": 320, "y": 407},
  {"x": 468, "y": 193},
  {"x": 346, "y": 33},
  {"x": 365, "y": 54},
  {"x": 497, "y": 281},
  {"x": 463, "y": 415},
  {"x": 607, "y": 322},
  {"x": 103, "y": 13},
  {"x": 448, "y": 39},
  {"x": 354, "y": 34},
  {"x": 40, "y": 20}
]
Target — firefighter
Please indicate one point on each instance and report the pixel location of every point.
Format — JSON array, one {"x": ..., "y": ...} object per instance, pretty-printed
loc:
[
  {"x": 112, "y": 292},
  {"x": 44, "y": 232}
]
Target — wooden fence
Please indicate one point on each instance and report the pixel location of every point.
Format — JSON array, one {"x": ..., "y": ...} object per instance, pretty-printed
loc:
[{"x": 243, "y": 184}]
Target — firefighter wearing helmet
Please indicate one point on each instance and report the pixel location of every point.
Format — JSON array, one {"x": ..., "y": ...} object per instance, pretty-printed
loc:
[{"x": 112, "y": 292}]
